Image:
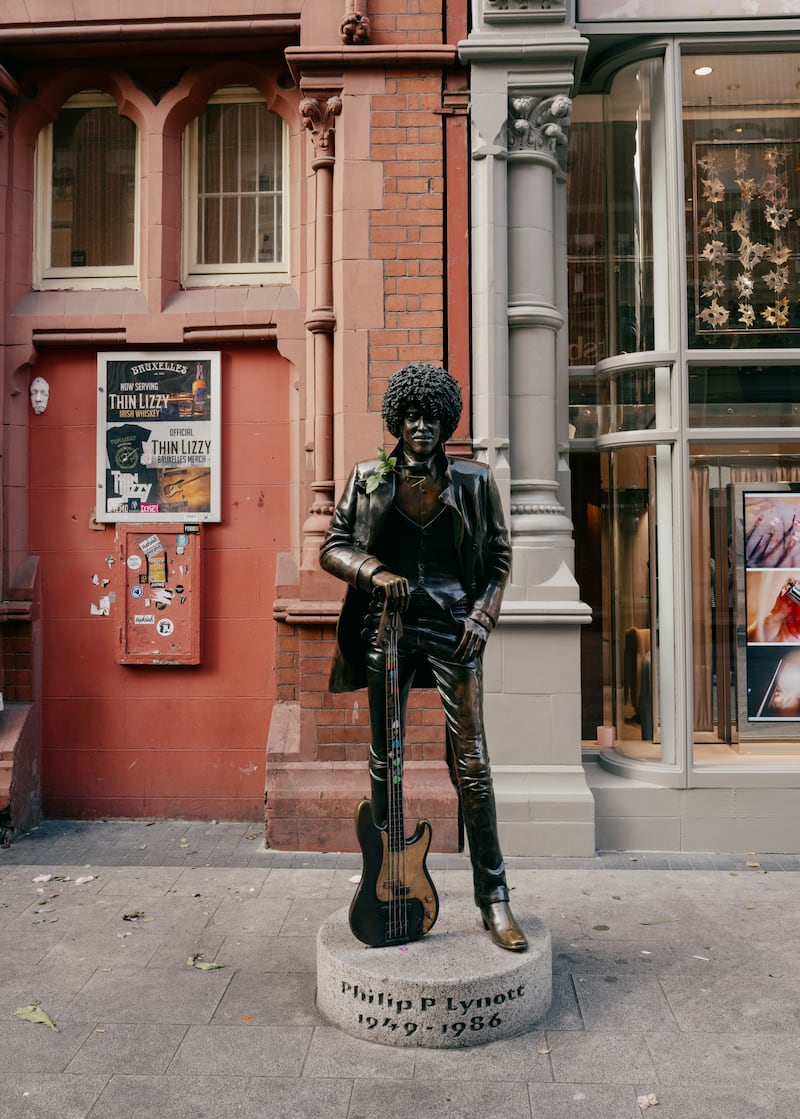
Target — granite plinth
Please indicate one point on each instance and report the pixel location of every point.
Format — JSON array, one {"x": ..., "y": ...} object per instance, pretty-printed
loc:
[{"x": 452, "y": 989}]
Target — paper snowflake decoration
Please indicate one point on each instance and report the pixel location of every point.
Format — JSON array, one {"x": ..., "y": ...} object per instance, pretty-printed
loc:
[
  {"x": 777, "y": 315},
  {"x": 708, "y": 164},
  {"x": 744, "y": 285},
  {"x": 715, "y": 315},
  {"x": 777, "y": 279},
  {"x": 741, "y": 159},
  {"x": 714, "y": 252},
  {"x": 777, "y": 216},
  {"x": 740, "y": 222},
  {"x": 778, "y": 253},
  {"x": 710, "y": 223},
  {"x": 713, "y": 283},
  {"x": 748, "y": 189},
  {"x": 775, "y": 190},
  {"x": 713, "y": 190},
  {"x": 747, "y": 315},
  {"x": 750, "y": 253},
  {"x": 775, "y": 156}
]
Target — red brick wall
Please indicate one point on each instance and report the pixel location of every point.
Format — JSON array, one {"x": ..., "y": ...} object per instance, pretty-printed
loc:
[
  {"x": 16, "y": 682},
  {"x": 420, "y": 21},
  {"x": 407, "y": 233}
]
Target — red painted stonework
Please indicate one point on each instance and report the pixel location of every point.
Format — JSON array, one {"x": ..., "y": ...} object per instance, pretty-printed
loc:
[{"x": 145, "y": 740}]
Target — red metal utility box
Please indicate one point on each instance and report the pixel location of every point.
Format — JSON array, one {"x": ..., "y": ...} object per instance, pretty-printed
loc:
[{"x": 158, "y": 593}]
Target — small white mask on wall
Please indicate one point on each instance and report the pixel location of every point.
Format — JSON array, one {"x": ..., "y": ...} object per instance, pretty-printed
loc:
[{"x": 40, "y": 394}]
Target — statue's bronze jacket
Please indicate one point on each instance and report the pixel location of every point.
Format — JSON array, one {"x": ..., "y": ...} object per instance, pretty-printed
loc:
[{"x": 480, "y": 536}]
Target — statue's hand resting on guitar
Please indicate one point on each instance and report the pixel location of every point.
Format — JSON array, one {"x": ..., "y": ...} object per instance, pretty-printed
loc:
[{"x": 394, "y": 587}]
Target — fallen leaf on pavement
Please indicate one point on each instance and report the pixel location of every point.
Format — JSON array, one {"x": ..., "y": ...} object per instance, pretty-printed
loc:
[
  {"x": 196, "y": 961},
  {"x": 34, "y": 1013},
  {"x": 646, "y": 1101}
]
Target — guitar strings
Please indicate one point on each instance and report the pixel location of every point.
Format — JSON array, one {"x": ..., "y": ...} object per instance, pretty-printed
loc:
[{"x": 398, "y": 923}]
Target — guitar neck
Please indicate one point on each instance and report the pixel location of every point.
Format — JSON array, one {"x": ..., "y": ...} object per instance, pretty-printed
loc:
[{"x": 396, "y": 831}]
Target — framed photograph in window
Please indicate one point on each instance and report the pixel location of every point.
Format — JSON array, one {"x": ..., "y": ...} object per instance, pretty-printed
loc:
[
  {"x": 158, "y": 437},
  {"x": 768, "y": 609}
]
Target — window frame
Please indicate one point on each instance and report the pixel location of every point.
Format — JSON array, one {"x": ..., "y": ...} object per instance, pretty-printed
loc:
[
  {"x": 226, "y": 274},
  {"x": 49, "y": 277},
  {"x": 676, "y": 353}
]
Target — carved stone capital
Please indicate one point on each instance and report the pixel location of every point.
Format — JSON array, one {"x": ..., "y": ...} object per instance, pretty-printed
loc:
[
  {"x": 319, "y": 117},
  {"x": 540, "y": 125}
]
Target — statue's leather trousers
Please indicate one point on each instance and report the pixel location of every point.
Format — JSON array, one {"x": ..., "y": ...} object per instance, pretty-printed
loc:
[{"x": 432, "y": 633}]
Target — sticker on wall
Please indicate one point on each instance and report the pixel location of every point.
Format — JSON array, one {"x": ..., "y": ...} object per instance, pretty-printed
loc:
[
  {"x": 101, "y": 608},
  {"x": 165, "y": 627},
  {"x": 137, "y": 590},
  {"x": 134, "y": 562},
  {"x": 151, "y": 546},
  {"x": 157, "y": 570},
  {"x": 164, "y": 596},
  {"x": 144, "y": 619}
]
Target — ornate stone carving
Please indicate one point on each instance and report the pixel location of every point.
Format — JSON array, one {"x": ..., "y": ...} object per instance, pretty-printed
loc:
[
  {"x": 529, "y": 508},
  {"x": 540, "y": 124},
  {"x": 524, "y": 9},
  {"x": 355, "y": 28},
  {"x": 319, "y": 117}
]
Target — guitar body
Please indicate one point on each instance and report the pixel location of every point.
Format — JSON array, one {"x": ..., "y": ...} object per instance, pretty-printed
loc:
[{"x": 389, "y": 907}]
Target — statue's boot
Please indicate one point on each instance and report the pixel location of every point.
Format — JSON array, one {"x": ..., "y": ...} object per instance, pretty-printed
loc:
[{"x": 499, "y": 922}]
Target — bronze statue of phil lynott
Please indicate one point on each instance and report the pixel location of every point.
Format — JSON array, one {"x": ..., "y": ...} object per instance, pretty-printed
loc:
[{"x": 425, "y": 533}]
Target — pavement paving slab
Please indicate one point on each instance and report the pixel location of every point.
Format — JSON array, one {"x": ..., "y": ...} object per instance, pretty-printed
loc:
[{"x": 177, "y": 961}]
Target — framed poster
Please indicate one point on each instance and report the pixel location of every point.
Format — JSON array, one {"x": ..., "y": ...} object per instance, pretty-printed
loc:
[
  {"x": 158, "y": 436},
  {"x": 768, "y": 569}
]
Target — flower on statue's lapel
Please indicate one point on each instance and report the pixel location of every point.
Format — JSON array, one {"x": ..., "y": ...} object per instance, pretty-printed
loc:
[{"x": 386, "y": 466}]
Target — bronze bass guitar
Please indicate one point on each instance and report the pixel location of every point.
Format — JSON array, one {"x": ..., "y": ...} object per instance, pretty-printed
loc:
[{"x": 396, "y": 901}]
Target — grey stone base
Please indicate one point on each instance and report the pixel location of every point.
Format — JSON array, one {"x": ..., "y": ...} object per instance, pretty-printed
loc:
[{"x": 452, "y": 989}]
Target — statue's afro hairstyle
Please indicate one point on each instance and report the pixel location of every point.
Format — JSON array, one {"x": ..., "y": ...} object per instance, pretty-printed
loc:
[{"x": 432, "y": 390}]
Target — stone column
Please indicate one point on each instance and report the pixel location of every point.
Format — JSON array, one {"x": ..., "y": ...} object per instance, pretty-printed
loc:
[
  {"x": 523, "y": 61},
  {"x": 319, "y": 116}
]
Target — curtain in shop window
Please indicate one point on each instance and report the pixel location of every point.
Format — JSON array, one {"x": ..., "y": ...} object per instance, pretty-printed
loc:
[
  {"x": 94, "y": 168},
  {"x": 702, "y": 582}
]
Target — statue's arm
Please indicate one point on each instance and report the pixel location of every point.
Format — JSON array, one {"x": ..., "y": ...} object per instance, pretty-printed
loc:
[
  {"x": 486, "y": 608},
  {"x": 342, "y": 553}
]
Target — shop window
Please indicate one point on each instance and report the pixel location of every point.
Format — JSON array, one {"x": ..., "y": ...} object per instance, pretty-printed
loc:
[
  {"x": 235, "y": 175},
  {"x": 742, "y": 153},
  {"x": 87, "y": 197},
  {"x": 610, "y": 234},
  {"x": 745, "y": 514}
]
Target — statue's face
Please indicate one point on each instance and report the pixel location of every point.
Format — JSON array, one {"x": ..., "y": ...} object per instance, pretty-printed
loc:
[
  {"x": 421, "y": 434},
  {"x": 40, "y": 394}
]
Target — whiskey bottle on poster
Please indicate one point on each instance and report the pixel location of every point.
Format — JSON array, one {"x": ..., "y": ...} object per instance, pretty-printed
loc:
[{"x": 200, "y": 393}]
